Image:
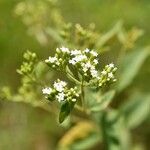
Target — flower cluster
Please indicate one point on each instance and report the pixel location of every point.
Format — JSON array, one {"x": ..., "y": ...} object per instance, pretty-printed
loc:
[
  {"x": 60, "y": 92},
  {"x": 84, "y": 62},
  {"x": 30, "y": 60},
  {"x": 60, "y": 59},
  {"x": 107, "y": 75}
]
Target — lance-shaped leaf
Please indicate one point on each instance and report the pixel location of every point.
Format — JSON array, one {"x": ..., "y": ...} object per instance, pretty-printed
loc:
[
  {"x": 65, "y": 110},
  {"x": 130, "y": 67},
  {"x": 136, "y": 110},
  {"x": 103, "y": 101},
  {"x": 115, "y": 133}
]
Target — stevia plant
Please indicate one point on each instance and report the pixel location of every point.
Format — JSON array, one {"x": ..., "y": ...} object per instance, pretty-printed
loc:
[
  {"x": 88, "y": 96},
  {"x": 101, "y": 115},
  {"x": 82, "y": 67}
]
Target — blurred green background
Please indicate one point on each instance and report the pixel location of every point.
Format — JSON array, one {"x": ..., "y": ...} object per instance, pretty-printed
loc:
[{"x": 23, "y": 127}]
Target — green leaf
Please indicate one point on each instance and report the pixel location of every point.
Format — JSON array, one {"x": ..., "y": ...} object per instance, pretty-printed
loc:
[
  {"x": 115, "y": 133},
  {"x": 136, "y": 110},
  {"x": 65, "y": 110},
  {"x": 130, "y": 67},
  {"x": 54, "y": 34},
  {"x": 110, "y": 34},
  {"x": 103, "y": 101},
  {"x": 40, "y": 69}
]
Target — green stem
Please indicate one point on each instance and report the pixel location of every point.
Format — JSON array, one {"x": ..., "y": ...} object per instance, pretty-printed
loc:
[
  {"x": 71, "y": 77},
  {"x": 82, "y": 94}
]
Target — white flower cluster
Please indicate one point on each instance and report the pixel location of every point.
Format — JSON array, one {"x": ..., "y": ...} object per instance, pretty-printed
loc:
[
  {"x": 60, "y": 59},
  {"x": 85, "y": 62},
  {"x": 60, "y": 92},
  {"x": 107, "y": 75}
]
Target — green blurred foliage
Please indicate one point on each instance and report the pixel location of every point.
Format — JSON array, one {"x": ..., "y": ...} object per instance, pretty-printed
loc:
[{"x": 25, "y": 127}]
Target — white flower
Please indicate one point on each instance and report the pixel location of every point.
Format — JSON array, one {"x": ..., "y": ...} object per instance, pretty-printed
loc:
[
  {"x": 94, "y": 53},
  {"x": 51, "y": 59},
  {"x": 85, "y": 69},
  {"x": 60, "y": 96},
  {"x": 79, "y": 58},
  {"x": 95, "y": 61},
  {"x": 58, "y": 63},
  {"x": 88, "y": 65},
  {"x": 103, "y": 72},
  {"x": 63, "y": 83},
  {"x": 86, "y": 50},
  {"x": 65, "y": 50},
  {"x": 111, "y": 65},
  {"x": 94, "y": 73},
  {"x": 110, "y": 75},
  {"x": 59, "y": 86},
  {"x": 92, "y": 67},
  {"x": 75, "y": 52},
  {"x": 47, "y": 90},
  {"x": 73, "y": 62}
]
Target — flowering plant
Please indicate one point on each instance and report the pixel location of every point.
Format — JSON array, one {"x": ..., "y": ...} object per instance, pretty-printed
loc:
[
  {"x": 92, "y": 113},
  {"x": 81, "y": 66}
]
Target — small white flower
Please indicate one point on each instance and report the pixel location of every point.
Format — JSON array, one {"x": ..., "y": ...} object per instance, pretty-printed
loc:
[
  {"x": 51, "y": 59},
  {"x": 95, "y": 61},
  {"x": 94, "y": 73},
  {"x": 110, "y": 75},
  {"x": 58, "y": 63},
  {"x": 103, "y": 72},
  {"x": 80, "y": 58},
  {"x": 47, "y": 90},
  {"x": 60, "y": 97},
  {"x": 75, "y": 52},
  {"x": 65, "y": 50},
  {"x": 94, "y": 53},
  {"x": 59, "y": 86},
  {"x": 85, "y": 69},
  {"x": 73, "y": 62},
  {"x": 92, "y": 67},
  {"x": 87, "y": 50},
  {"x": 88, "y": 65},
  {"x": 111, "y": 65},
  {"x": 98, "y": 78},
  {"x": 63, "y": 83}
]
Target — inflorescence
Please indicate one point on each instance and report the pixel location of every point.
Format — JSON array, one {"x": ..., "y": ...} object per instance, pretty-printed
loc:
[
  {"x": 85, "y": 63},
  {"x": 60, "y": 92},
  {"x": 82, "y": 67}
]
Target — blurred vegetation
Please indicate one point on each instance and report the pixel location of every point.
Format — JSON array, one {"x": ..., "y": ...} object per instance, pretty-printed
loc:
[{"x": 109, "y": 26}]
